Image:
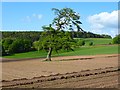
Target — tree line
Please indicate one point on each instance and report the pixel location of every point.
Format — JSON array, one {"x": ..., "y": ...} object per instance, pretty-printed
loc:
[{"x": 35, "y": 35}]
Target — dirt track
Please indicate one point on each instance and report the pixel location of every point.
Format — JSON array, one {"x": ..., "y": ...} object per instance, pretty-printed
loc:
[{"x": 29, "y": 69}]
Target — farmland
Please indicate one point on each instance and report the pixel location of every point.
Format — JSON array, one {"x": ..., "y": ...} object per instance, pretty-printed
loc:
[
  {"x": 29, "y": 72},
  {"x": 86, "y": 79},
  {"x": 97, "y": 41}
]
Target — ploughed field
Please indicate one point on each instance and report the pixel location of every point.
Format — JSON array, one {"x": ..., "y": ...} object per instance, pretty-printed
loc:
[
  {"x": 68, "y": 71},
  {"x": 97, "y": 78}
]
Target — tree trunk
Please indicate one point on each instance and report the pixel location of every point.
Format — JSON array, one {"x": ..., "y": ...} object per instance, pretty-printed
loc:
[{"x": 49, "y": 55}]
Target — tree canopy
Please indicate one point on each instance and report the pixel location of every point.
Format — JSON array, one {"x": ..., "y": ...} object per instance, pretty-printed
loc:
[
  {"x": 66, "y": 19},
  {"x": 54, "y": 36}
]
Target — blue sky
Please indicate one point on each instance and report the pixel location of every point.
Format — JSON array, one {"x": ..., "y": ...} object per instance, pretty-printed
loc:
[{"x": 33, "y": 15}]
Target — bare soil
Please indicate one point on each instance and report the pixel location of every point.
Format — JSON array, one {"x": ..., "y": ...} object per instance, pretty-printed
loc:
[
  {"x": 97, "y": 78},
  {"x": 28, "y": 73}
]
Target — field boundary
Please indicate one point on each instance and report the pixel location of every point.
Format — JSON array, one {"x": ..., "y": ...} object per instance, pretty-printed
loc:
[{"x": 62, "y": 58}]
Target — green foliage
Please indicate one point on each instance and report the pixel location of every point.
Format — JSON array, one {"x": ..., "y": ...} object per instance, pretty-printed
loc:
[
  {"x": 11, "y": 46},
  {"x": 55, "y": 39},
  {"x": 89, "y": 35},
  {"x": 80, "y": 42},
  {"x": 20, "y": 45},
  {"x": 116, "y": 40},
  {"x": 106, "y": 36},
  {"x": 91, "y": 43},
  {"x": 54, "y": 36},
  {"x": 29, "y": 35},
  {"x": 37, "y": 45},
  {"x": 66, "y": 18},
  {"x": 6, "y": 43},
  {"x": 35, "y": 35}
]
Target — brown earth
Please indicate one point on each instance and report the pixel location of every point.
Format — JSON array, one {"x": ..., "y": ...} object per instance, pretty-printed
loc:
[
  {"x": 28, "y": 69},
  {"x": 97, "y": 78}
]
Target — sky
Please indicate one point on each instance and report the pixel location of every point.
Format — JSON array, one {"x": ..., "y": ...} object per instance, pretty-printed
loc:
[{"x": 96, "y": 17}]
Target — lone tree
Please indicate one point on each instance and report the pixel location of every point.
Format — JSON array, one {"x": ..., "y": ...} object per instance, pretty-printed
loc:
[{"x": 56, "y": 36}]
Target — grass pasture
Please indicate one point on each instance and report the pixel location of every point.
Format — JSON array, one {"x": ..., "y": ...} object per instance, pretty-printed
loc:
[
  {"x": 97, "y": 41},
  {"x": 101, "y": 46},
  {"x": 93, "y": 50},
  {"x": 84, "y": 50}
]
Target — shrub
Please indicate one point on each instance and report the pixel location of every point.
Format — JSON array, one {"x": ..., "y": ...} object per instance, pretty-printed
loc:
[
  {"x": 6, "y": 42},
  {"x": 91, "y": 43},
  {"x": 110, "y": 43},
  {"x": 81, "y": 43},
  {"x": 116, "y": 40},
  {"x": 19, "y": 45}
]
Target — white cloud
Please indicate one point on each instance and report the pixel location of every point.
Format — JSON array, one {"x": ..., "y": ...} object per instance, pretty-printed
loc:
[
  {"x": 104, "y": 22},
  {"x": 37, "y": 16},
  {"x": 32, "y": 17}
]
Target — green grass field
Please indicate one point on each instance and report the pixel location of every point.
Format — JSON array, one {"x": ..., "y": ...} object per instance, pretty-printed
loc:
[
  {"x": 99, "y": 47},
  {"x": 97, "y": 41},
  {"x": 84, "y": 50}
]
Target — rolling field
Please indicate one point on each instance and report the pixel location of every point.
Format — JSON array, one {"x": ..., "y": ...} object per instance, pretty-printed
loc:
[
  {"x": 101, "y": 46},
  {"x": 97, "y": 41},
  {"x": 84, "y": 50}
]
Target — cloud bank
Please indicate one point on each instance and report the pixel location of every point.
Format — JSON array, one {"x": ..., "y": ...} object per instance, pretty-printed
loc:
[{"x": 104, "y": 23}]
